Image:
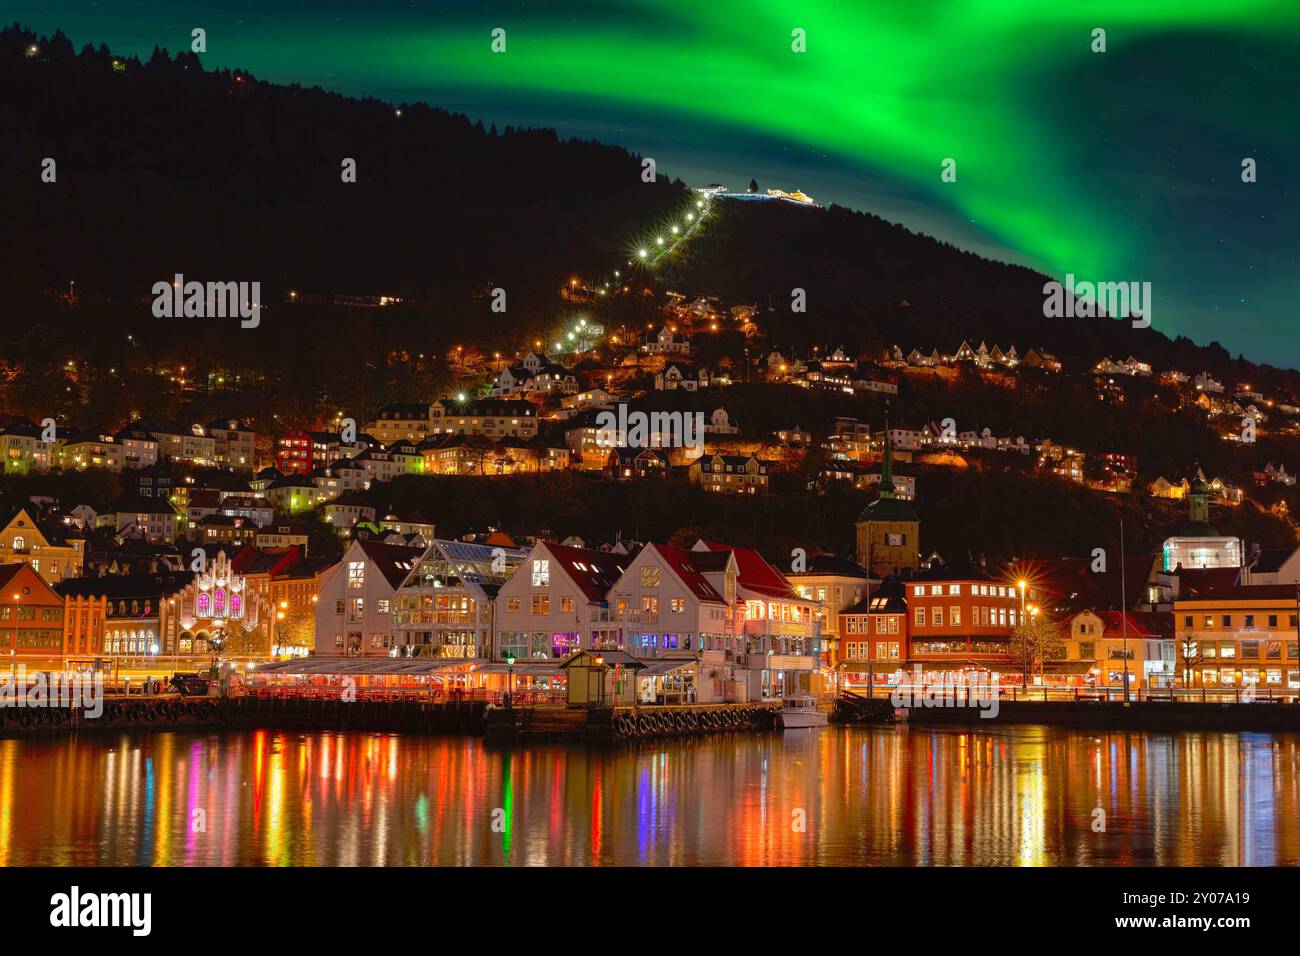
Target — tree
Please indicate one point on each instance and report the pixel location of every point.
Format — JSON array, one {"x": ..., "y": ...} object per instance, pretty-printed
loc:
[
  {"x": 1039, "y": 641},
  {"x": 753, "y": 185},
  {"x": 1189, "y": 655}
]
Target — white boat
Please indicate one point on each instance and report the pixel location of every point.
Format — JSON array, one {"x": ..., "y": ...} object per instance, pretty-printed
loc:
[{"x": 801, "y": 711}]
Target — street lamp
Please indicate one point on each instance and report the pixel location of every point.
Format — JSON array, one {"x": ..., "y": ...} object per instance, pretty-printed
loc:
[
  {"x": 1024, "y": 638},
  {"x": 510, "y": 680}
]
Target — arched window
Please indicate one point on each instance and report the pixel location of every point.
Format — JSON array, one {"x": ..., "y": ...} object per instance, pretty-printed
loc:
[
  {"x": 202, "y": 606},
  {"x": 235, "y": 605},
  {"x": 19, "y": 542},
  {"x": 219, "y": 602}
]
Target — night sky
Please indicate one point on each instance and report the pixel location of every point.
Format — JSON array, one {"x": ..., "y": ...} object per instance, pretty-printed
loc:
[{"x": 1123, "y": 165}]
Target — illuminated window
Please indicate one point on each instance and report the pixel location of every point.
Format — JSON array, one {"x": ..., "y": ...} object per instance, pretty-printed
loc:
[
  {"x": 541, "y": 603},
  {"x": 356, "y": 574},
  {"x": 541, "y": 575},
  {"x": 679, "y": 605},
  {"x": 650, "y": 577}
]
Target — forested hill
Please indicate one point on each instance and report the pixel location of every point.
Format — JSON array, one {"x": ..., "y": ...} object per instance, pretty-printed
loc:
[{"x": 164, "y": 166}]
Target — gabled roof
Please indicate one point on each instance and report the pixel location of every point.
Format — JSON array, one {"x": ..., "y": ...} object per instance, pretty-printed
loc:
[
  {"x": 594, "y": 572},
  {"x": 10, "y": 571},
  {"x": 682, "y": 564},
  {"x": 394, "y": 561},
  {"x": 754, "y": 573}
]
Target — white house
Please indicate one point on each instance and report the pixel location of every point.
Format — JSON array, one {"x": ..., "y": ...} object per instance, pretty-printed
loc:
[
  {"x": 555, "y": 604},
  {"x": 354, "y": 609}
]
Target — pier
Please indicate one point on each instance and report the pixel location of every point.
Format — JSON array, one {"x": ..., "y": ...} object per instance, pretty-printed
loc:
[{"x": 629, "y": 723}]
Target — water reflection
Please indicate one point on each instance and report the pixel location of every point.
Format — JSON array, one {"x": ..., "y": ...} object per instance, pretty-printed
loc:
[{"x": 847, "y": 796}]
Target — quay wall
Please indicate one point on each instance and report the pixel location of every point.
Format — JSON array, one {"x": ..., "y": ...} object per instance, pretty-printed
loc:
[{"x": 1116, "y": 715}]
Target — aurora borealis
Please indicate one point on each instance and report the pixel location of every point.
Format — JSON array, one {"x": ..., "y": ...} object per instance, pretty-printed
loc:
[{"x": 1123, "y": 165}]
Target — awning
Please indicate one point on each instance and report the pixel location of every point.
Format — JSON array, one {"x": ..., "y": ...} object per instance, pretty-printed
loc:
[
  {"x": 352, "y": 665},
  {"x": 522, "y": 668},
  {"x": 659, "y": 668}
]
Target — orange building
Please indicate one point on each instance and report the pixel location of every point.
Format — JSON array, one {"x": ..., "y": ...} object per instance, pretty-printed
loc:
[
  {"x": 31, "y": 620},
  {"x": 961, "y": 619}
]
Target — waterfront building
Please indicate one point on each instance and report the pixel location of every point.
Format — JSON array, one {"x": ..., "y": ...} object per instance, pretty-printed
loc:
[
  {"x": 836, "y": 584},
  {"x": 874, "y": 637},
  {"x": 682, "y": 624},
  {"x": 1097, "y": 644},
  {"x": 31, "y": 620},
  {"x": 354, "y": 609},
  {"x": 1239, "y": 636},
  {"x": 778, "y": 627},
  {"x": 558, "y": 603},
  {"x": 444, "y": 605},
  {"x": 961, "y": 619},
  {"x": 123, "y": 620}
]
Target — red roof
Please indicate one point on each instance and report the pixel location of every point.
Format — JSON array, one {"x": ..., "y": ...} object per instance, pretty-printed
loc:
[
  {"x": 755, "y": 574},
  {"x": 594, "y": 572},
  {"x": 682, "y": 564},
  {"x": 1138, "y": 626}
]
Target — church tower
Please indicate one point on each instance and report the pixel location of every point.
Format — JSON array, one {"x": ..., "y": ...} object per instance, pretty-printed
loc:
[{"x": 888, "y": 529}]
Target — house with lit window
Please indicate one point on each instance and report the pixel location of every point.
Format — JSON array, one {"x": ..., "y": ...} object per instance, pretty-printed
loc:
[
  {"x": 445, "y": 607},
  {"x": 409, "y": 421},
  {"x": 490, "y": 417},
  {"x": 293, "y": 452},
  {"x": 295, "y": 493},
  {"x": 190, "y": 444},
  {"x": 873, "y": 638},
  {"x": 22, "y": 450},
  {"x": 1235, "y": 637},
  {"x": 1099, "y": 644},
  {"x": 31, "y": 619},
  {"x": 557, "y": 603},
  {"x": 778, "y": 627},
  {"x": 682, "y": 625},
  {"x": 151, "y": 519},
  {"x": 730, "y": 474},
  {"x": 79, "y": 449},
  {"x": 355, "y": 605},
  {"x": 54, "y": 552},
  {"x": 961, "y": 619},
  {"x": 835, "y": 584},
  {"x": 234, "y": 444}
]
